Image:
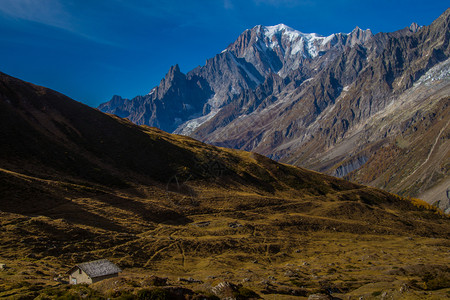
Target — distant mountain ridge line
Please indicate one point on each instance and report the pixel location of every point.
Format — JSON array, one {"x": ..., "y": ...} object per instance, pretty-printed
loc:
[
  {"x": 313, "y": 107},
  {"x": 245, "y": 75}
]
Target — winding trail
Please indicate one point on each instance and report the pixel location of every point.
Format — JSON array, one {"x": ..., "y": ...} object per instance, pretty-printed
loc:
[{"x": 158, "y": 252}]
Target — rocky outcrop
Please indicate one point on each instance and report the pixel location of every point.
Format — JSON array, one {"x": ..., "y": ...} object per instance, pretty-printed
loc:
[
  {"x": 177, "y": 98},
  {"x": 349, "y": 166}
]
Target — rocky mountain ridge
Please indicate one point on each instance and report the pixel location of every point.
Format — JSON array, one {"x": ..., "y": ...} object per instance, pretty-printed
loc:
[
  {"x": 182, "y": 102},
  {"x": 300, "y": 98},
  {"x": 313, "y": 124}
]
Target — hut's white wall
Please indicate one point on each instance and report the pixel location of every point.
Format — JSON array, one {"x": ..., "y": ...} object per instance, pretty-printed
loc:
[{"x": 79, "y": 276}]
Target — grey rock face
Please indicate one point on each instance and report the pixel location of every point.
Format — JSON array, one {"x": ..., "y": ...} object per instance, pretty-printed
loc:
[
  {"x": 330, "y": 119},
  {"x": 350, "y": 166},
  {"x": 174, "y": 101},
  {"x": 332, "y": 104},
  {"x": 181, "y": 103}
]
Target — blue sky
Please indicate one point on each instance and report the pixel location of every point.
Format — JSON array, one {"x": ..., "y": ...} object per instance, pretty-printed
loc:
[{"x": 93, "y": 49}]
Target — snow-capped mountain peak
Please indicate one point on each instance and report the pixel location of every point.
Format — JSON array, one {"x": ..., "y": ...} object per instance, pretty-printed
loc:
[
  {"x": 285, "y": 30},
  {"x": 194, "y": 98},
  {"x": 290, "y": 40}
]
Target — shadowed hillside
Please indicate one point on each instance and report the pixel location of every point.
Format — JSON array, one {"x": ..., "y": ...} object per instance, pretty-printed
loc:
[{"x": 77, "y": 184}]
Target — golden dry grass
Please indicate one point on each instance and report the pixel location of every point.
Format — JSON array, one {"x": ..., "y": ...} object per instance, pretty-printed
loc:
[
  {"x": 78, "y": 185},
  {"x": 352, "y": 243}
]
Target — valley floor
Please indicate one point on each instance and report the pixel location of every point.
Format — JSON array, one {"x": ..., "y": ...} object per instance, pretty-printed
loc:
[{"x": 276, "y": 248}]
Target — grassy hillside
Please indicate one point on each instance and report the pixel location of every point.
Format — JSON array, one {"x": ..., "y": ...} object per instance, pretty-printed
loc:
[{"x": 77, "y": 184}]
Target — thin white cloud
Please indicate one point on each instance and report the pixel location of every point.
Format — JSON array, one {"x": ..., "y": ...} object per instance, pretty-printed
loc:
[{"x": 50, "y": 13}]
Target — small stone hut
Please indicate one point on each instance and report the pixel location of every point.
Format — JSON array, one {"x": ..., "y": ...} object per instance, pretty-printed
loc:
[{"x": 93, "y": 271}]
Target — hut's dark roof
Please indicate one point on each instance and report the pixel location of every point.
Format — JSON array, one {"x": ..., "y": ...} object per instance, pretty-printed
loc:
[{"x": 97, "y": 268}]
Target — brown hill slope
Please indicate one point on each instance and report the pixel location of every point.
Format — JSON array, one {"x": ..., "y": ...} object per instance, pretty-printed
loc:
[{"x": 77, "y": 184}]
